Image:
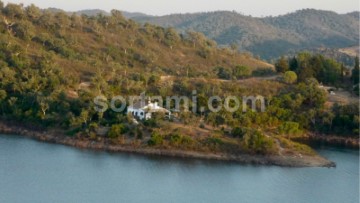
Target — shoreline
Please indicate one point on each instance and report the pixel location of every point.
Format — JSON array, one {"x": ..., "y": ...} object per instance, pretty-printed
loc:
[
  {"x": 57, "y": 137},
  {"x": 329, "y": 140}
]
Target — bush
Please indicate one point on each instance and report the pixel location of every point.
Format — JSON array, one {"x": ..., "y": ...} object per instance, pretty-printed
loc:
[
  {"x": 117, "y": 130},
  {"x": 290, "y": 77},
  {"x": 156, "y": 139},
  {"x": 259, "y": 143},
  {"x": 289, "y": 128},
  {"x": 238, "y": 132},
  {"x": 241, "y": 72},
  {"x": 263, "y": 72}
]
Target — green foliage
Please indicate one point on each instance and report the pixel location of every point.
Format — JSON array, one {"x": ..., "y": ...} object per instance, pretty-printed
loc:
[
  {"x": 263, "y": 72},
  {"x": 3, "y": 95},
  {"x": 290, "y": 77},
  {"x": 238, "y": 132},
  {"x": 313, "y": 96},
  {"x": 214, "y": 142},
  {"x": 14, "y": 11},
  {"x": 259, "y": 143},
  {"x": 117, "y": 130},
  {"x": 223, "y": 73},
  {"x": 341, "y": 120},
  {"x": 182, "y": 141},
  {"x": 289, "y": 128},
  {"x": 325, "y": 70},
  {"x": 282, "y": 65},
  {"x": 156, "y": 139},
  {"x": 241, "y": 72}
]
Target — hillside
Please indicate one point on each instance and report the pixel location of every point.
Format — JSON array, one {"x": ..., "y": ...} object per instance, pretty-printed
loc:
[
  {"x": 81, "y": 45},
  {"x": 55, "y": 68},
  {"x": 270, "y": 37}
]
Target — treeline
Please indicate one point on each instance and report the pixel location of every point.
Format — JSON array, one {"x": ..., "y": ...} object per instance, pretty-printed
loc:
[{"x": 306, "y": 65}]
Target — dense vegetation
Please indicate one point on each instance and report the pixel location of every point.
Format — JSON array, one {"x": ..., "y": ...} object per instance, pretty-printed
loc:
[
  {"x": 53, "y": 65},
  {"x": 270, "y": 37}
]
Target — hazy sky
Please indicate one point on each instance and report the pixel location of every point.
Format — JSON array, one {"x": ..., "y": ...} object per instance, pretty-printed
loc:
[{"x": 162, "y": 7}]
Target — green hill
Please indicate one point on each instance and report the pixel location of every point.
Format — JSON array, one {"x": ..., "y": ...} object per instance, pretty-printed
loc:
[
  {"x": 270, "y": 37},
  {"x": 81, "y": 45}
]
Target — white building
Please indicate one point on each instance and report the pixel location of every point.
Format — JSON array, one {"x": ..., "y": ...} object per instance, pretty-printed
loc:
[{"x": 144, "y": 111}]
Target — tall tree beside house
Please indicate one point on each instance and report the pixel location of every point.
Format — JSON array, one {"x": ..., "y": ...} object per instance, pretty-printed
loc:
[{"x": 282, "y": 65}]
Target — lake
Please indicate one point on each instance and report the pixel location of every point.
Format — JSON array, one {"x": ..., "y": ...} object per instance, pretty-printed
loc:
[{"x": 32, "y": 171}]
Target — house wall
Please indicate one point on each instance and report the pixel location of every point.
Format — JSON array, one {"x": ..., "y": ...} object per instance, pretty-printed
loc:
[{"x": 137, "y": 113}]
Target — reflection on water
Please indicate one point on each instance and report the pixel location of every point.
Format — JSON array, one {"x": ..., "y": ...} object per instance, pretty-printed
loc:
[{"x": 32, "y": 171}]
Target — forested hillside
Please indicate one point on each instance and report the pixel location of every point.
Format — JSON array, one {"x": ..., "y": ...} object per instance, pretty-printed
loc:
[
  {"x": 80, "y": 45},
  {"x": 270, "y": 37},
  {"x": 53, "y": 65}
]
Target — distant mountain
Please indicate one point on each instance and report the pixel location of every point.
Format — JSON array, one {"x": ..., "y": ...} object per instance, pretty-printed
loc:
[
  {"x": 269, "y": 37},
  {"x": 94, "y": 12},
  {"x": 126, "y": 14}
]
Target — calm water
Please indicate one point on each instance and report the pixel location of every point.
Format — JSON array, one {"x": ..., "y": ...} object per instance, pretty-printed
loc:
[{"x": 32, "y": 171}]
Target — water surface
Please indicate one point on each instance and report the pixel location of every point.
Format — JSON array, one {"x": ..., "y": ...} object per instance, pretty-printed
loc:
[{"x": 32, "y": 171}]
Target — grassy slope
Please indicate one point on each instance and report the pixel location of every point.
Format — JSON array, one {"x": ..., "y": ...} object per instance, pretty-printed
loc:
[{"x": 128, "y": 46}]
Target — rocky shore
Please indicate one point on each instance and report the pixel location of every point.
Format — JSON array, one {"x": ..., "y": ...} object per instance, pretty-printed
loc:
[{"x": 58, "y": 137}]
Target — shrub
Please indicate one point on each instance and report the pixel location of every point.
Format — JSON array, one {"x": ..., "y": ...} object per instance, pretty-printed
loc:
[
  {"x": 117, "y": 130},
  {"x": 241, "y": 72},
  {"x": 289, "y": 128},
  {"x": 290, "y": 77},
  {"x": 156, "y": 139},
  {"x": 238, "y": 132},
  {"x": 259, "y": 143}
]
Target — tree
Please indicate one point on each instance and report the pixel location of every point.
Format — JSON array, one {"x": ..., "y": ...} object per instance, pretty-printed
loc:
[
  {"x": 24, "y": 30},
  {"x": 33, "y": 12},
  {"x": 356, "y": 72},
  {"x": 282, "y": 65},
  {"x": 14, "y": 11},
  {"x": 63, "y": 20},
  {"x": 3, "y": 96},
  {"x": 313, "y": 96},
  {"x": 290, "y": 77},
  {"x": 117, "y": 130},
  {"x": 293, "y": 64},
  {"x": 238, "y": 132},
  {"x": 196, "y": 38},
  {"x": 289, "y": 128},
  {"x": 223, "y": 73},
  {"x": 171, "y": 37},
  {"x": 241, "y": 72},
  {"x": 47, "y": 20},
  {"x": 156, "y": 139}
]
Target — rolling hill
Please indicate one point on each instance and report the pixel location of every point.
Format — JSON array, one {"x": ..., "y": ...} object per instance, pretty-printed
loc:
[
  {"x": 84, "y": 45},
  {"x": 269, "y": 37}
]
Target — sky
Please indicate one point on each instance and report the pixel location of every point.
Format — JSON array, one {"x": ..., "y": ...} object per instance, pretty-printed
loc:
[{"x": 257, "y": 8}]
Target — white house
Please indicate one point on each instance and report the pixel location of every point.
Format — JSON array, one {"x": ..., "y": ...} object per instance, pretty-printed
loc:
[{"x": 144, "y": 111}]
